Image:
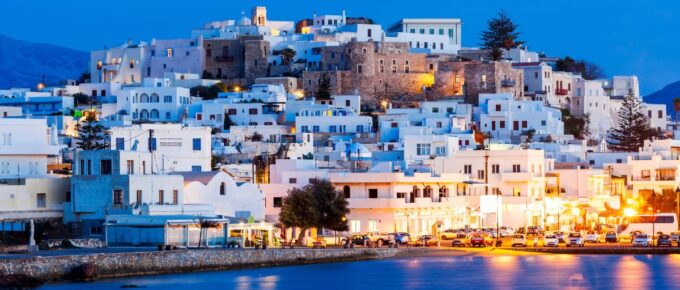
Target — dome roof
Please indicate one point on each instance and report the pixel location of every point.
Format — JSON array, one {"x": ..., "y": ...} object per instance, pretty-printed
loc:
[
  {"x": 357, "y": 151},
  {"x": 244, "y": 21}
]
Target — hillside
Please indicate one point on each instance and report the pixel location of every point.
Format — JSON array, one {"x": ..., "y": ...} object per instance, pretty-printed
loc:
[
  {"x": 23, "y": 63},
  {"x": 665, "y": 96}
]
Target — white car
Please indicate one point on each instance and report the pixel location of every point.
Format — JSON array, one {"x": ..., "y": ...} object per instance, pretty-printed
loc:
[
  {"x": 519, "y": 240},
  {"x": 591, "y": 237},
  {"x": 505, "y": 231},
  {"x": 550, "y": 241},
  {"x": 641, "y": 240},
  {"x": 574, "y": 239}
]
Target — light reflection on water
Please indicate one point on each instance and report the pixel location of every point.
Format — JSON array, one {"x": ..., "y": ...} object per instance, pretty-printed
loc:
[{"x": 462, "y": 272}]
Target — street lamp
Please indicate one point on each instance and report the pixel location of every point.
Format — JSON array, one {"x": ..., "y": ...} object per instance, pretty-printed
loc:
[
  {"x": 677, "y": 200},
  {"x": 498, "y": 210},
  {"x": 653, "y": 217}
]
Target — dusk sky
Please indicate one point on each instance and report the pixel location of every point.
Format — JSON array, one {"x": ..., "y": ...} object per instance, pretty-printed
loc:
[{"x": 625, "y": 36}]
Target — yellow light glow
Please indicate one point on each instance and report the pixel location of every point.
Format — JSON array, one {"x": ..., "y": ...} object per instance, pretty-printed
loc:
[
  {"x": 575, "y": 211},
  {"x": 41, "y": 86},
  {"x": 384, "y": 103},
  {"x": 299, "y": 94},
  {"x": 237, "y": 89},
  {"x": 629, "y": 212}
]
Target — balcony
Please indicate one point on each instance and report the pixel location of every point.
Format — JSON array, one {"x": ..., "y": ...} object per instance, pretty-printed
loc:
[
  {"x": 226, "y": 58},
  {"x": 561, "y": 92},
  {"x": 516, "y": 176},
  {"x": 508, "y": 83}
]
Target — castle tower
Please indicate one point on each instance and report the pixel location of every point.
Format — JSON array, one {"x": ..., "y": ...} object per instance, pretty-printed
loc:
[{"x": 259, "y": 15}]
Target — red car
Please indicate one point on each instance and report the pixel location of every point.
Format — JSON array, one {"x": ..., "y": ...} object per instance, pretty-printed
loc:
[{"x": 477, "y": 240}]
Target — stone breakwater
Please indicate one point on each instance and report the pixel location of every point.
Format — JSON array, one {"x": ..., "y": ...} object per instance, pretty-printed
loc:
[{"x": 35, "y": 271}]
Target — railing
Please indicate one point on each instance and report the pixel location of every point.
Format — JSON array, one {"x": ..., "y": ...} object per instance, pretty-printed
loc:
[
  {"x": 507, "y": 83},
  {"x": 641, "y": 178},
  {"x": 666, "y": 178},
  {"x": 561, "y": 92}
]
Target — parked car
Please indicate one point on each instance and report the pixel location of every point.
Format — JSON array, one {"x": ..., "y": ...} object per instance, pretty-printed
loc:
[
  {"x": 611, "y": 237},
  {"x": 448, "y": 234},
  {"x": 476, "y": 240},
  {"x": 380, "y": 238},
  {"x": 559, "y": 235},
  {"x": 575, "y": 239},
  {"x": 459, "y": 240},
  {"x": 505, "y": 231},
  {"x": 519, "y": 240},
  {"x": 534, "y": 230},
  {"x": 675, "y": 237},
  {"x": 591, "y": 237},
  {"x": 663, "y": 240},
  {"x": 641, "y": 240},
  {"x": 629, "y": 238},
  {"x": 357, "y": 239},
  {"x": 550, "y": 241},
  {"x": 402, "y": 238},
  {"x": 426, "y": 240}
]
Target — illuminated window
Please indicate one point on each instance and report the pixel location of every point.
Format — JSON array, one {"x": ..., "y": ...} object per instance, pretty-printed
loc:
[
  {"x": 373, "y": 225},
  {"x": 355, "y": 226},
  {"x": 171, "y": 52}
]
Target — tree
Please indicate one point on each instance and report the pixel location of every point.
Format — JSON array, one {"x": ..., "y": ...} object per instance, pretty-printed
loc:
[
  {"x": 227, "y": 121},
  {"x": 318, "y": 205},
  {"x": 287, "y": 55},
  {"x": 209, "y": 93},
  {"x": 588, "y": 70},
  {"x": 501, "y": 33},
  {"x": 81, "y": 99},
  {"x": 204, "y": 225},
  {"x": 579, "y": 127},
  {"x": 91, "y": 135},
  {"x": 664, "y": 201},
  {"x": 299, "y": 210},
  {"x": 324, "y": 89},
  {"x": 207, "y": 75},
  {"x": 632, "y": 129}
]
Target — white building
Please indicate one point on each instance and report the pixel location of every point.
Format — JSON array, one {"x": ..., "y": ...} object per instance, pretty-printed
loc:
[
  {"x": 412, "y": 29},
  {"x": 155, "y": 101},
  {"x": 175, "y": 147},
  {"x": 26, "y": 189},
  {"x": 506, "y": 119}
]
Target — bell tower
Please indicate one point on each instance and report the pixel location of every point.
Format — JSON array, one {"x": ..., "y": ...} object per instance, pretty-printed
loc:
[{"x": 259, "y": 15}]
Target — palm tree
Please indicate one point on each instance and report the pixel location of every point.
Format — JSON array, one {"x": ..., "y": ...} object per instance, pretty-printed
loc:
[{"x": 287, "y": 55}]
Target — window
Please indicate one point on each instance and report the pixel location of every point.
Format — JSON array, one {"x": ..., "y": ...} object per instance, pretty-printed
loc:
[
  {"x": 427, "y": 191},
  {"x": 41, "y": 200},
  {"x": 196, "y": 144},
  {"x": 120, "y": 143},
  {"x": 502, "y": 124},
  {"x": 278, "y": 201},
  {"x": 355, "y": 226},
  {"x": 525, "y": 124},
  {"x": 660, "y": 114},
  {"x": 292, "y": 180},
  {"x": 441, "y": 31},
  {"x": 372, "y": 193},
  {"x": 372, "y": 225},
  {"x": 480, "y": 174},
  {"x": 223, "y": 188},
  {"x": 495, "y": 168},
  {"x": 252, "y": 111},
  {"x": 368, "y": 33},
  {"x": 139, "y": 197},
  {"x": 435, "y": 110},
  {"x": 130, "y": 167},
  {"x": 498, "y": 107},
  {"x": 360, "y": 69},
  {"x": 347, "y": 103},
  {"x": 346, "y": 192},
  {"x": 467, "y": 169},
  {"x": 170, "y": 52},
  {"x": 117, "y": 196},
  {"x": 96, "y": 231},
  {"x": 516, "y": 168},
  {"x": 423, "y": 149},
  {"x": 516, "y": 191},
  {"x": 515, "y": 125},
  {"x": 431, "y": 30},
  {"x": 105, "y": 167},
  {"x": 195, "y": 168},
  {"x": 89, "y": 167},
  {"x": 175, "y": 196},
  {"x": 161, "y": 197},
  {"x": 167, "y": 99}
]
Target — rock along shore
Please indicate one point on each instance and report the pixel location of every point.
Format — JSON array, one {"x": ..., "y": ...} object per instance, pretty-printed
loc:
[{"x": 32, "y": 272}]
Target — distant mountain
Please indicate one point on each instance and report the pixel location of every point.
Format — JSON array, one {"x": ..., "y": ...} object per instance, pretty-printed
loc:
[
  {"x": 665, "y": 96},
  {"x": 23, "y": 63}
]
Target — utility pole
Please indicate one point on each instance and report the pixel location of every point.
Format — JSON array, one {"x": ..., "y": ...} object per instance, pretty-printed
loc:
[{"x": 151, "y": 148}]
